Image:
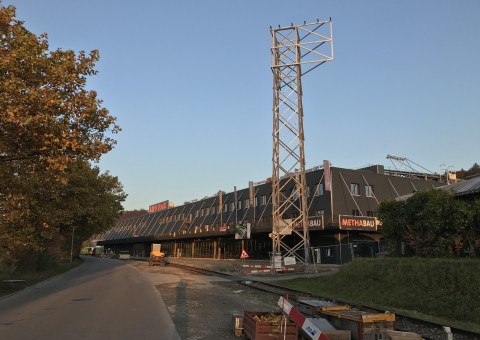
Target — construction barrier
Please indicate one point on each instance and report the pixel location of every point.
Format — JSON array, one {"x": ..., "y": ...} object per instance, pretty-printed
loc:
[
  {"x": 264, "y": 269},
  {"x": 302, "y": 322}
]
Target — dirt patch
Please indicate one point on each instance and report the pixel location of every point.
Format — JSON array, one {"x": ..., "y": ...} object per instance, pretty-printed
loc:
[{"x": 204, "y": 309}]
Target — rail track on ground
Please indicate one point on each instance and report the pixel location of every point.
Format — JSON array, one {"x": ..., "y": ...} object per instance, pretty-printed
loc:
[{"x": 428, "y": 330}]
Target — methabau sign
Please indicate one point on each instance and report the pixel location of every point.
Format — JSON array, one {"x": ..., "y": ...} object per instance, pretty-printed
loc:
[{"x": 357, "y": 223}]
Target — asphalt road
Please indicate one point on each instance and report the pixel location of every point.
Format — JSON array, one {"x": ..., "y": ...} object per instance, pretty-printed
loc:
[{"x": 100, "y": 299}]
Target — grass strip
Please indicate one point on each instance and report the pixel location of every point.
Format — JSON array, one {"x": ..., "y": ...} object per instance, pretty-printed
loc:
[{"x": 445, "y": 291}]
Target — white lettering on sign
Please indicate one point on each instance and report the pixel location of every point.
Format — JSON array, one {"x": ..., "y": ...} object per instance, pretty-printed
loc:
[
  {"x": 315, "y": 223},
  {"x": 357, "y": 222}
]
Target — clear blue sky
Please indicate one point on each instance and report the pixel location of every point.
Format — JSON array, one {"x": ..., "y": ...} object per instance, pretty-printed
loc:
[{"x": 191, "y": 86}]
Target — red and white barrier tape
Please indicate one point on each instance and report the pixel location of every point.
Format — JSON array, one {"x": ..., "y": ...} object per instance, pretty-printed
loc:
[{"x": 306, "y": 325}]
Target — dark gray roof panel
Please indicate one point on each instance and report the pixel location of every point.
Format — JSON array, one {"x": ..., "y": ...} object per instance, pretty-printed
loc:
[
  {"x": 202, "y": 218},
  {"x": 466, "y": 187}
]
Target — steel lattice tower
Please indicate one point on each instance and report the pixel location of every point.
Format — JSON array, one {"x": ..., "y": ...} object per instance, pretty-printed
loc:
[{"x": 306, "y": 46}]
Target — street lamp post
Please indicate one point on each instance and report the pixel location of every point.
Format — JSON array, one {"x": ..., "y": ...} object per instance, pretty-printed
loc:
[{"x": 71, "y": 248}]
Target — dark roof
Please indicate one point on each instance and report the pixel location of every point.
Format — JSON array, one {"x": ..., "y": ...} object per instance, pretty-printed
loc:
[
  {"x": 467, "y": 187},
  {"x": 202, "y": 218}
]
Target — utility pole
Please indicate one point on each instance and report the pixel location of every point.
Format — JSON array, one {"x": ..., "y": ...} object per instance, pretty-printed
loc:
[
  {"x": 296, "y": 50},
  {"x": 71, "y": 246},
  {"x": 447, "y": 172}
]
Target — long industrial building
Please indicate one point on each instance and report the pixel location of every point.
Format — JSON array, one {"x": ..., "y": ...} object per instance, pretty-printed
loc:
[{"x": 342, "y": 206}]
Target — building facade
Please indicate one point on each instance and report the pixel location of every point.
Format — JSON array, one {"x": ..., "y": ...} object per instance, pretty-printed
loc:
[{"x": 342, "y": 205}]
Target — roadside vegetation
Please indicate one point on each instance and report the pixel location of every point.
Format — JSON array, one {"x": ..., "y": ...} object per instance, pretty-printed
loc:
[
  {"x": 445, "y": 291},
  {"x": 26, "y": 278},
  {"x": 431, "y": 223},
  {"x": 52, "y": 132}
]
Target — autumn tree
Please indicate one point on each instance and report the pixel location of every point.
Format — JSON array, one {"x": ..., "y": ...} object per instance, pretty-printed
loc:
[
  {"x": 51, "y": 128},
  {"x": 47, "y": 115}
]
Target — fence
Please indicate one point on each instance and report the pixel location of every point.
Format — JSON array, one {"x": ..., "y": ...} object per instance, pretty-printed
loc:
[{"x": 340, "y": 254}]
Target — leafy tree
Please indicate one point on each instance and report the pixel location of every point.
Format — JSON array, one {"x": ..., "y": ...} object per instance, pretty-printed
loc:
[
  {"x": 51, "y": 127},
  {"x": 471, "y": 234},
  {"x": 430, "y": 223},
  {"x": 39, "y": 225},
  {"x": 46, "y": 113},
  {"x": 393, "y": 218},
  {"x": 97, "y": 198},
  {"x": 474, "y": 170}
]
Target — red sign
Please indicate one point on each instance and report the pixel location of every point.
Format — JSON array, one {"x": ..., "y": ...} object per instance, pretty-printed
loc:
[
  {"x": 244, "y": 254},
  {"x": 223, "y": 228},
  {"x": 357, "y": 223},
  {"x": 159, "y": 206}
]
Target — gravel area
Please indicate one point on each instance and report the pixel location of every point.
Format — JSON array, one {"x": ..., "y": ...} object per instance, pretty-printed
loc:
[
  {"x": 429, "y": 331},
  {"x": 202, "y": 307}
]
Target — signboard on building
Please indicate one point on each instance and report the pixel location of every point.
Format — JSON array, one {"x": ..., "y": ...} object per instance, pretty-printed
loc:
[
  {"x": 347, "y": 222},
  {"x": 327, "y": 174},
  {"x": 220, "y": 202},
  {"x": 160, "y": 206},
  {"x": 277, "y": 261},
  {"x": 251, "y": 193},
  {"x": 314, "y": 222},
  {"x": 242, "y": 232},
  {"x": 289, "y": 261}
]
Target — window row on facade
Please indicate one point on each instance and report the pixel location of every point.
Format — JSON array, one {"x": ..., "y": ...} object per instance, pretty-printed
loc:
[
  {"x": 259, "y": 201},
  {"x": 355, "y": 190}
]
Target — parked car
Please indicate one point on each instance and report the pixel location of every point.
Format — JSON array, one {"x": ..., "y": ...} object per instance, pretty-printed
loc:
[{"x": 124, "y": 255}]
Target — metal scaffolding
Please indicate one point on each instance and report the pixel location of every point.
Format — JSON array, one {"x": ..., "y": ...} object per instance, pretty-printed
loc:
[{"x": 296, "y": 50}]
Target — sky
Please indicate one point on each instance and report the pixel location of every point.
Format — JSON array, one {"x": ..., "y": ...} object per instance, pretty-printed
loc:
[{"x": 191, "y": 86}]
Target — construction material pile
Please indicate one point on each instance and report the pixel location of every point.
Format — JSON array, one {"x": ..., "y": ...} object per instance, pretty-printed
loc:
[{"x": 269, "y": 326}]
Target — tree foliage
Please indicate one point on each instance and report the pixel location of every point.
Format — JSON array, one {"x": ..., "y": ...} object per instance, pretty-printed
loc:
[
  {"x": 51, "y": 128},
  {"x": 46, "y": 113},
  {"x": 42, "y": 216},
  {"x": 474, "y": 170},
  {"x": 431, "y": 223}
]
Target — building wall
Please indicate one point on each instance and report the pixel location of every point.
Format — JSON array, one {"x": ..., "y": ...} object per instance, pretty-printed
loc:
[
  {"x": 198, "y": 228},
  {"x": 383, "y": 188}
]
